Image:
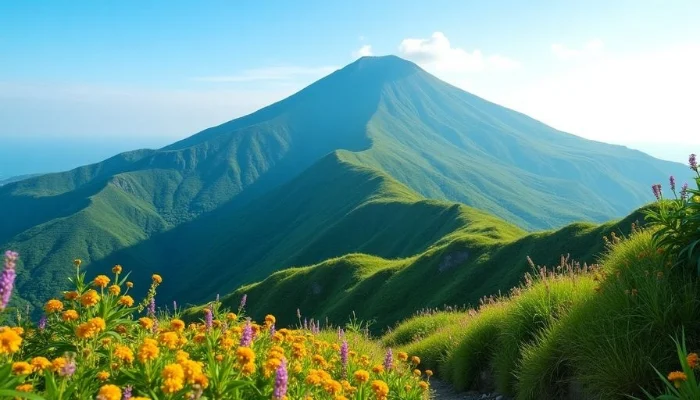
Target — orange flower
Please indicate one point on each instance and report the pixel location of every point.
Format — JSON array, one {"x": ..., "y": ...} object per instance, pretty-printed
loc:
[
  {"x": 157, "y": 279},
  {"x": 22, "y": 368},
  {"x": 101, "y": 281},
  {"x": 677, "y": 377},
  {"x": 109, "y": 392},
  {"x": 692, "y": 360},
  {"x": 53, "y": 306},
  {"x": 72, "y": 295},
  {"x": 124, "y": 354},
  {"x": 361, "y": 376},
  {"x": 69, "y": 315},
  {"x": 89, "y": 298},
  {"x": 102, "y": 375},
  {"x": 146, "y": 323},
  {"x": 126, "y": 301},
  {"x": 177, "y": 325},
  {"x": 114, "y": 290},
  {"x": 40, "y": 363},
  {"x": 117, "y": 269},
  {"x": 10, "y": 341}
]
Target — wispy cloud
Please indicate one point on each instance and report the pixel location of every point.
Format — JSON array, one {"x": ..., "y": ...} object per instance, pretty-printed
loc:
[
  {"x": 437, "y": 53},
  {"x": 282, "y": 73},
  {"x": 592, "y": 48},
  {"x": 363, "y": 51}
]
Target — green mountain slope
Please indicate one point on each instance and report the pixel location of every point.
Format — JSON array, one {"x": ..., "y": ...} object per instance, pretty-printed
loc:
[
  {"x": 458, "y": 270},
  {"x": 332, "y": 209},
  {"x": 207, "y": 198}
]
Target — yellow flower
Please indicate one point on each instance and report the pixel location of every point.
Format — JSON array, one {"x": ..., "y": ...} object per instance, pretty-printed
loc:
[
  {"x": 10, "y": 341},
  {"x": 126, "y": 301},
  {"x": 117, "y": 269},
  {"x": 58, "y": 363},
  {"x": 40, "y": 363},
  {"x": 415, "y": 360},
  {"x": 146, "y": 323},
  {"x": 157, "y": 279},
  {"x": 124, "y": 354},
  {"x": 22, "y": 368},
  {"x": 424, "y": 385},
  {"x": 361, "y": 376},
  {"x": 130, "y": 285},
  {"x": 270, "y": 319},
  {"x": 18, "y": 330},
  {"x": 109, "y": 392},
  {"x": 201, "y": 380},
  {"x": 677, "y": 377},
  {"x": 53, "y": 306},
  {"x": 148, "y": 350},
  {"x": 89, "y": 298},
  {"x": 692, "y": 360},
  {"x": 380, "y": 389},
  {"x": 173, "y": 371},
  {"x": 245, "y": 355},
  {"x": 169, "y": 340},
  {"x": 114, "y": 290},
  {"x": 248, "y": 369},
  {"x": 417, "y": 372},
  {"x": 103, "y": 375},
  {"x": 402, "y": 356},
  {"x": 26, "y": 388},
  {"x": 177, "y": 325},
  {"x": 77, "y": 262},
  {"x": 69, "y": 315},
  {"x": 72, "y": 295},
  {"x": 91, "y": 328},
  {"x": 231, "y": 316},
  {"x": 140, "y": 398},
  {"x": 333, "y": 387},
  {"x": 101, "y": 281},
  {"x": 191, "y": 368}
]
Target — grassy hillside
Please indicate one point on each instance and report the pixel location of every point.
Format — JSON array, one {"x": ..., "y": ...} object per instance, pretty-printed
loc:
[
  {"x": 459, "y": 269},
  {"x": 574, "y": 334}
]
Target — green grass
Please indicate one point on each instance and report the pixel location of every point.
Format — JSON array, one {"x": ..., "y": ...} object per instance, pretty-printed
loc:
[{"x": 420, "y": 326}]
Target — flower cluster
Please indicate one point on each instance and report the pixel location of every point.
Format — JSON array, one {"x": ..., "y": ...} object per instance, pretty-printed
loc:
[{"x": 95, "y": 343}]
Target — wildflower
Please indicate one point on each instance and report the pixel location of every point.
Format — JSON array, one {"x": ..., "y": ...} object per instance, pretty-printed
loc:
[
  {"x": 208, "y": 318},
  {"x": 7, "y": 278},
  {"x": 684, "y": 191},
  {"x": 693, "y": 163},
  {"x": 148, "y": 350},
  {"x": 91, "y": 328},
  {"x": 417, "y": 372},
  {"x": 245, "y": 355},
  {"x": 428, "y": 373},
  {"x": 10, "y": 341},
  {"x": 40, "y": 364},
  {"x": 231, "y": 316},
  {"x": 281, "y": 380},
  {"x": 177, "y": 325},
  {"x": 117, "y": 269},
  {"x": 146, "y": 323},
  {"x": 22, "y": 368},
  {"x": 101, "y": 281},
  {"x": 380, "y": 389},
  {"x": 378, "y": 369},
  {"x": 124, "y": 354},
  {"x": 127, "y": 393},
  {"x": 42, "y": 323},
  {"x": 102, "y": 375},
  {"x": 109, "y": 392},
  {"x": 157, "y": 279},
  {"x": 656, "y": 189},
  {"x": 243, "y": 301},
  {"x": 332, "y": 387},
  {"x": 672, "y": 182},
  {"x": 677, "y": 377},
  {"x": 402, "y": 356},
  {"x": 191, "y": 369},
  {"x": 423, "y": 385},
  {"x": 89, "y": 298},
  {"x": 69, "y": 315},
  {"x": 72, "y": 295},
  {"x": 152, "y": 307},
  {"x": 415, "y": 360},
  {"x": 248, "y": 369},
  {"x": 126, "y": 301},
  {"x": 344, "y": 357},
  {"x": 169, "y": 340},
  {"x": 53, "y": 306},
  {"x": 114, "y": 290},
  {"x": 270, "y": 320},
  {"x": 77, "y": 262},
  {"x": 247, "y": 335},
  {"x": 692, "y": 360},
  {"x": 388, "y": 360},
  {"x": 130, "y": 285},
  {"x": 25, "y": 387},
  {"x": 361, "y": 376},
  {"x": 173, "y": 378},
  {"x": 67, "y": 368}
]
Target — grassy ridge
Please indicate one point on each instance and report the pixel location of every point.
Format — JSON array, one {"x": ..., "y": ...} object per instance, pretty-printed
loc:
[
  {"x": 458, "y": 269},
  {"x": 592, "y": 335}
]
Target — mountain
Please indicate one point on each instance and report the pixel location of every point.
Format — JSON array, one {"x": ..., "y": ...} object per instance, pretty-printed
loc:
[
  {"x": 280, "y": 187},
  {"x": 16, "y": 179}
]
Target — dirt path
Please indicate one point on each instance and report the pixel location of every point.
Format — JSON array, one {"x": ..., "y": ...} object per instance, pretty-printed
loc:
[{"x": 443, "y": 391}]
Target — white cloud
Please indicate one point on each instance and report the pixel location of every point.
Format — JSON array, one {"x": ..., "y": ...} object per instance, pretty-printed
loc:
[
  {"x": 647, "y": 97},
  {"x": 363, "y": 51},
  {"x": 284, "y": 73},
  {"x": 592, "y": 48},
  {"x": 437, "y": 54}
]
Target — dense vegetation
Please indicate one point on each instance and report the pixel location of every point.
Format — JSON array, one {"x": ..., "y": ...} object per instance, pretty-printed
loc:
[{"x": 275, "y": 189}]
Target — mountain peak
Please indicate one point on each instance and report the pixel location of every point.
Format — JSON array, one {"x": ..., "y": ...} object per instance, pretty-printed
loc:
[{"x": 382, "y": 68}]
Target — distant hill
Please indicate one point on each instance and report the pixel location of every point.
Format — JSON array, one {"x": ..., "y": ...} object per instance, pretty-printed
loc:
[
  {"x": 294, "y": 183},
  {"x": 5, "y": 181}
]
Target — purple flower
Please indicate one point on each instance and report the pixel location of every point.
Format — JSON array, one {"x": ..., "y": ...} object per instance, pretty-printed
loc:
[
  {"x": 7, "y": 278},
  {"x": 247, "y": 335},
  {"x": 244, "y": 299},
  {"x": 68, "y": 369},
  {"x": 272, "y": 330},
  {"x": 152, "y": 308},
  {"x": 693, "y": 163},
  {"x": 388, "y": 360},
  {"x": 672, "y": 181},
  {"x": 281, "y": 380},
  {"x": 684, "y": 191},
  {"x": 42, "y": 323},
  {"x": 657, "y": 191},
  {"x": 208, "y": 318},
  {"x": 344, "y": 357},
  {"x": 127, "y": 393}
]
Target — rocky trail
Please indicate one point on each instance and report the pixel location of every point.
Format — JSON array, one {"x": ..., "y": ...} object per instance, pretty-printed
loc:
[{"x": 444, "y": 391}]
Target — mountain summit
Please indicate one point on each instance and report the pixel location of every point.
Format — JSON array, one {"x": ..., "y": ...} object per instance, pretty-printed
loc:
[{"x": 380, "y": 114}]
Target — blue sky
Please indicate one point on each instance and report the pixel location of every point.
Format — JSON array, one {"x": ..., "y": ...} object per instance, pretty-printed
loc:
[{"x": 139, "y": 73}]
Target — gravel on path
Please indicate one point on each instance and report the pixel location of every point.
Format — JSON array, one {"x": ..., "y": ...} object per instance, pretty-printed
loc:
[{"x": 443, "y": 391}]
